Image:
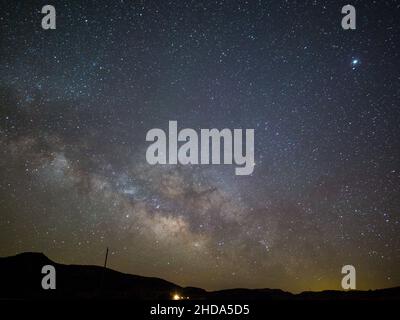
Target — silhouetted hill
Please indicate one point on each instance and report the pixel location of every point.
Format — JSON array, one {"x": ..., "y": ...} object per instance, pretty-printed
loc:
[
  {"x": 250, "y": 294},
  {"x": 20, "y": 278},
  {"x": 380, "y": 294}
]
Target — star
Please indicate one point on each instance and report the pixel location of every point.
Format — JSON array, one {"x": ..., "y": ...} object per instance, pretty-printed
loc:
[{"x": 354, "y": 63}]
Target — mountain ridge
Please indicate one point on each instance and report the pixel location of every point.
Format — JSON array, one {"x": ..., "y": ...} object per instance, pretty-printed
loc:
[{"x": 20, "y": 278}]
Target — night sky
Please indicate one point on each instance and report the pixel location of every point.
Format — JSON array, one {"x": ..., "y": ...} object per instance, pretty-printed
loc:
[{"x": 76, "y": 104}]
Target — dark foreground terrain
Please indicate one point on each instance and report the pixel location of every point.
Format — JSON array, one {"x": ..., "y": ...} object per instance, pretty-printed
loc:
[{"x": 20, "y": 278}]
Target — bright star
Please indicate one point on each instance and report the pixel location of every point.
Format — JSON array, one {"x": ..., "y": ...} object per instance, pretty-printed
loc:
[{"x": 354, "y": 63}]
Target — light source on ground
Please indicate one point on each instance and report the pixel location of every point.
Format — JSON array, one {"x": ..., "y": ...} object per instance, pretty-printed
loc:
[{"x": 176, "y": 296}]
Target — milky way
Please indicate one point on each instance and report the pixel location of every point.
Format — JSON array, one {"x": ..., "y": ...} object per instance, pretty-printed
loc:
[{"x": 76, "y": 104}]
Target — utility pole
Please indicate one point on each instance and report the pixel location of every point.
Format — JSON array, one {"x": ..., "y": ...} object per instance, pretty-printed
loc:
[
  {"x": 104, "y": 271},
  {"x": 105, "y": 261}
]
